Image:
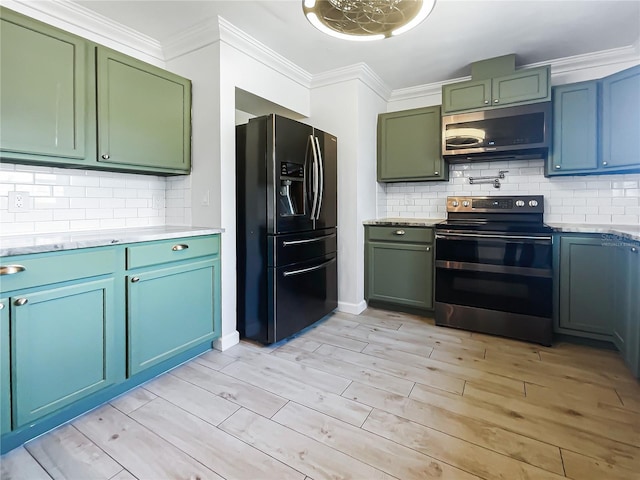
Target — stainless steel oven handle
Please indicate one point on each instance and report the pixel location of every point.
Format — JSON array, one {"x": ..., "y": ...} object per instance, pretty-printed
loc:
[
  {"x": 453, "y": 236},
  {"x": 309, "y": 240},
  {"x": 307, "y": 270},
  {"x": 499, "y": 269}
]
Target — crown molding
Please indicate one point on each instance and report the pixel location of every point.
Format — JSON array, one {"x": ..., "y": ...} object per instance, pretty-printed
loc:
[
  {"x": 198, "y": 36},
  {"x": 234, "y": 37},
  {"x": 358, "y": 71},
  {"x": 92, "y": 26}
]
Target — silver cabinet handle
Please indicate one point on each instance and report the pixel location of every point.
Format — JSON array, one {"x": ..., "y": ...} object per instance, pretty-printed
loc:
[
  {"x": 496, "y": 101},
  {"x": 135, "y": 279},
  {"x": 180, "y": 246},
  {"x": 428, "y": 249},
  {"x": 11, "y": 269},
  {"x": 1, "y": 306},
  {"x": 605, "y": 163},
  {"x": 399, "y": 232},
  {"x": 486, "y": 102},
  {"x": 558, "y": 167},
  {"x": 634, "y": 250},
  {"x": 105, "y": 156},
  {"x": 436, "y": 173},
  {"x": 20, "y": 302}
]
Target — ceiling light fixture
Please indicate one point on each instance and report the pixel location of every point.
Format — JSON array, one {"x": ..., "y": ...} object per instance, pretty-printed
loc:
[{"x": 365, "y": 20}]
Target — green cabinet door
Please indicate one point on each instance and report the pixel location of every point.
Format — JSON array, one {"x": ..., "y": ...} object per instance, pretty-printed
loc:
[
  {"x": 626, "y": 321},
  {"x": 469, "y": 95},
  {"x": 409, "y": 146},
  {"x": 170, "y": 310},
  {"x": 5, "y": 371},
  {"x": 621, "y": 120},
  {"x": 575, "y": 129},
  {"x": 144, "y": 115},
  {"x": 586, "y": 286},
  {"x": 400, "y": 274},
  {"x": 43, "y": 73},
  {"x": 524, "y": 86},
  {"x": 61, "y": 346}
]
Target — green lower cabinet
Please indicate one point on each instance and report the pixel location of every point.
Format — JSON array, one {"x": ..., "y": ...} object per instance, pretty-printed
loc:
[
  {"x": 626, "y": 323},
  {"x": 5, "y": 371},
  {"x": 409, "y": 146},
  {"x": 61, "y": 347},
  {"x": 586, "y": 286},
  {"x": 399, "y": 273},
  {"x": 170, "y": 310}
]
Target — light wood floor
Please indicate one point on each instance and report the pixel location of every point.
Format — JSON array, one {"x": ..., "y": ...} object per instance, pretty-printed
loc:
[{"x": 381, "y": 395}]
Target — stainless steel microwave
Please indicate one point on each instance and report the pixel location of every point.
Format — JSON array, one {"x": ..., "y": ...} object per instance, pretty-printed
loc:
[{"x": 518, "y": 132}]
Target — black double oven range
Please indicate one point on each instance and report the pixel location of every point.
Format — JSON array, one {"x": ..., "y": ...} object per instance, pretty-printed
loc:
[{"x": 494, "y": 267}]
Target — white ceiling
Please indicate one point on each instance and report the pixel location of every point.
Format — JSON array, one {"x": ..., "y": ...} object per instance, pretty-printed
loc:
[{"x": 456, "y": 33}]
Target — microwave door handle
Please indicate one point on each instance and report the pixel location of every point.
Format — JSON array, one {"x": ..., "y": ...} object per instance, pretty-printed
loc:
[
  {"x": 321, "y": 171},
  {"x": 314, "y": 179}
]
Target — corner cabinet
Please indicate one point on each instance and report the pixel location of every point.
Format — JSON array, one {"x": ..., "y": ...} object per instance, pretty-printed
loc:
[
  {"x": 186, "y": 271},
  {"x": 68, "y": 102},
  {"x": 592, "y": 124},
  {"x": 5, "y": 369},
  {"x": 399, "y": 267},
  {"x": 626, "y": 327},
  {"x": 519, "y": 88},
  {"x": 144, "y": 114},
  {"x": 409, "y": 146}
]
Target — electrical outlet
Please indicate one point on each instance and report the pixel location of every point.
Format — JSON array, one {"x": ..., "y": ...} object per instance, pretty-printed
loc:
[
  {"x": 19, "y": 202},
  {"x": 206, "y": 199}
]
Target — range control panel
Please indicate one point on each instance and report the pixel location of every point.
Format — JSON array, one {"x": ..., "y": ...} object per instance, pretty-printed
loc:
[{"x": 497, "y": 204}]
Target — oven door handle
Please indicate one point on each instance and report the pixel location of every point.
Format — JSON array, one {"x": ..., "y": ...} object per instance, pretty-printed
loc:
[
  {"x": 464, "y": 236},
  {"x": 505, "y": 269}
]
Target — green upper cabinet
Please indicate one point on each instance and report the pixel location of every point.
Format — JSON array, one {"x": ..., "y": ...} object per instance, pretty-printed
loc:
[
  {"x": 575, "y": 129},
  {"x": 43, "y": 107},
  {"x": 67, "y": 102},
  {"x": 409, "y": 146},
  {"x": 518, "y": 88},
  {"x": 592, "y": 124},
  {"x": 621, "y": 120},
  {"x": 144, "y": 114},
  {"x": 469, "y": 95},
  {"x": 5, "y": 371}
]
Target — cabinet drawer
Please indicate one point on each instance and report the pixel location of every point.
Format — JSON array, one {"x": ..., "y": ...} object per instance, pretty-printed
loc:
[
  {"x": 56, "y": 267},
  {"x": 171, "y": 250},
  {"x": 401, "y": 234}
]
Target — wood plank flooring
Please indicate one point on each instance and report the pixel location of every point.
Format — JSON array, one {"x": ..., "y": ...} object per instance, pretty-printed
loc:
[{"x": 381, "y": 395}]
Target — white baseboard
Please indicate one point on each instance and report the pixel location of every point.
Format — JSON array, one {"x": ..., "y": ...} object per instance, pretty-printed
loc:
[
  {"x": 226, "y": 342},
  {"x": 352, "y": 308}
]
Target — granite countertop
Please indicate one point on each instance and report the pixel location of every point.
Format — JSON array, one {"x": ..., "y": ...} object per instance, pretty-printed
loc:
[
  {"x": 50, "y": 242},
  {"x": 404, "y": 222},
  {"x": 630, "y": 232}
]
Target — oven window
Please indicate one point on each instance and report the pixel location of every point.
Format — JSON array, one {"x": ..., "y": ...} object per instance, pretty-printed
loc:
[
  {"x": 495, "y": 291},
  {"x": 514, "y": 253}
]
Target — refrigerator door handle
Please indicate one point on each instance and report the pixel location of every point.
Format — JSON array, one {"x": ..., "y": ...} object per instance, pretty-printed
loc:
[
  {"x": 309, "y": 240},
  {"x": 314, "y": 172},
  {"x": 309, "y": 269},
  {"x": 321, "y": 170}
]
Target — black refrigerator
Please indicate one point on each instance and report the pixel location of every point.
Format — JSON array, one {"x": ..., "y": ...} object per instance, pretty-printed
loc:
[{"x": 286, "y": 198}]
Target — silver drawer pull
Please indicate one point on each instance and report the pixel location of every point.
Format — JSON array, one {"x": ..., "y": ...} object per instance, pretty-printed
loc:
[
  {"x": 428, "y": 249},
  {"x": 399, "y": 232},
  {"x": 11, "y": 269},
  {"x": 20, "y": 302},
  {"x": 634, "y": 250},
  {"x": 1, "y": 306},
  {"x": 135, "y": 279},
  {"x": 180, "y": 246}
]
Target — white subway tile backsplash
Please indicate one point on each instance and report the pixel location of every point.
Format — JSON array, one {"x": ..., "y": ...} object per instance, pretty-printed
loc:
[{"x": 571, "y": 199}]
